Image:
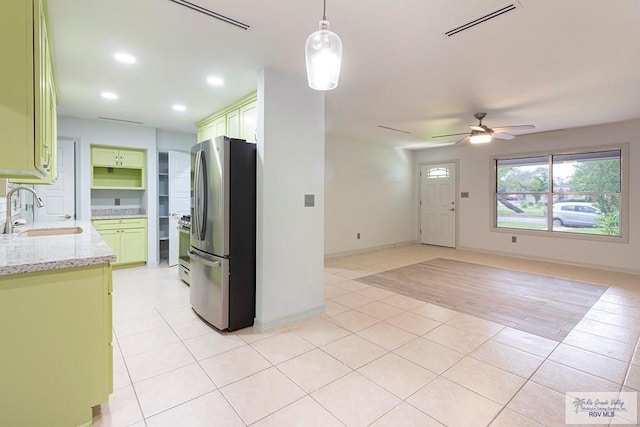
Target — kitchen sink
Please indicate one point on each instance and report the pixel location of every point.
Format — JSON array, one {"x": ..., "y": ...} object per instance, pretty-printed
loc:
[{"x": 50, "y": 232}]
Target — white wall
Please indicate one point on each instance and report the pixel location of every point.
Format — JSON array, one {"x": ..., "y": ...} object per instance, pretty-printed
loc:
[
  {"x": 369, "y": 189},
  {"x": 100, "y": 132},
  {"x": 167, "y": 140},
  {"x": 290, "y": 240},
  {"x": 475, "y": 176}
]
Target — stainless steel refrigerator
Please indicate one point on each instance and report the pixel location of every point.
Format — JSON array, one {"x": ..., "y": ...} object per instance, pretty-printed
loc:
[{"x": 223, "y": 232}]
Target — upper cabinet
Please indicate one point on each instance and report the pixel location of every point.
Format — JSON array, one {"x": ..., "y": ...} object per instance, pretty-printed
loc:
[
  {"x": 117, "y": 168},
  {"x": 249, "y": 122},
  {"x": 239, "y": 120},
  {"x": 27, "y": 94},
  {"x": 117, "y": 157}
]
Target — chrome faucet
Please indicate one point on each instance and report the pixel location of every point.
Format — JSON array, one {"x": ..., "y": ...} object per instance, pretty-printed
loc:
[{"x": 8, "y": 226}]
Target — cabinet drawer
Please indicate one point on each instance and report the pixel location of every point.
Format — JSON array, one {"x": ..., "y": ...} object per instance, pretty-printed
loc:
[{"x": 119, "y": 224}]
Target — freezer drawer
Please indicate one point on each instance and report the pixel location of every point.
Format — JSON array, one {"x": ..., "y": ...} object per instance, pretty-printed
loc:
[{"x": 209, "y": 293}]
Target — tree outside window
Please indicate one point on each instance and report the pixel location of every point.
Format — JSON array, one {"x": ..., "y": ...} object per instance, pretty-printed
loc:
[{"x": 583, "y": 196}]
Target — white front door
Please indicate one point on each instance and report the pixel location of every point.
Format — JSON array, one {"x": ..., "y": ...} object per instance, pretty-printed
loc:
[
  {"x": 438, "y": 204},
  {"x": 179, "y": 198},
  {"x": 60, "y": 196}
]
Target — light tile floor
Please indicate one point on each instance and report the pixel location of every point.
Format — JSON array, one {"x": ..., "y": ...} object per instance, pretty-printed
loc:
[{"x": 374, "y": 358}]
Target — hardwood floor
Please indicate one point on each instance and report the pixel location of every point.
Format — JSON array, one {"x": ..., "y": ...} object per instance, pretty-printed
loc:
[{"x": 546, "y": 306}]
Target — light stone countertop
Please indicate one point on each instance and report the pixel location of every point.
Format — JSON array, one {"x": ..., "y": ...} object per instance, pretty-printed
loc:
[
  {"x": 30, "y": 254},
  {"x": 122, "y": 216},
  {"x": 117, "y": 213}
]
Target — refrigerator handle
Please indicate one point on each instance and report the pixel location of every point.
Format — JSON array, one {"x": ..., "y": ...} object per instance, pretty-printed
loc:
[
  {"x": 202, "y": 222},
  {"x": 196, "y": 178},
  {"x": 194, "y": 256}
]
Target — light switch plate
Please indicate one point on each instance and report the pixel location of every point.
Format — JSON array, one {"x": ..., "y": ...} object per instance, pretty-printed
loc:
[
  {"x": 464, "y": 195},
  {"x": 309, "y": 200}
]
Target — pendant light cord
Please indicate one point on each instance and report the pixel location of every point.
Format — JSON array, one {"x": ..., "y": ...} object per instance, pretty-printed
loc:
[{"x": 324, "y": 11}]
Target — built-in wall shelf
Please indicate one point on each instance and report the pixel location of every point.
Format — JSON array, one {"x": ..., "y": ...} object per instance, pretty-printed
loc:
[
  {"x": 117, "y": 168},
  {"x": 163, "y": 205},
  {"x": 117, "y": 179}
]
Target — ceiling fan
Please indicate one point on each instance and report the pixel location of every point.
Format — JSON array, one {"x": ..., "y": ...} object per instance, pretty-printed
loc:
[{"x": 482, "y": 134}]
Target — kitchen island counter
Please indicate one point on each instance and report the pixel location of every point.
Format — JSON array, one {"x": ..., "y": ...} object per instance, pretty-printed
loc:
[{"x": 20, "y": 254}]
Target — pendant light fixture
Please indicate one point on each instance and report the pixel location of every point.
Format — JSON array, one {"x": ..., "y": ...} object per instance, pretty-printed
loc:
[{"x": 323, "y": 53}]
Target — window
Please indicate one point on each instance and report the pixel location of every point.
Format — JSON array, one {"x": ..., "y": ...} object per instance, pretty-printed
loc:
[
  {"x": 579, "y": 193},
  {"x": 438, "y": 173}
]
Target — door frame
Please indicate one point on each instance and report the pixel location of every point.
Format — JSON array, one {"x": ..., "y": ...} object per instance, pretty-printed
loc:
[{"x": 457, "y": 197}]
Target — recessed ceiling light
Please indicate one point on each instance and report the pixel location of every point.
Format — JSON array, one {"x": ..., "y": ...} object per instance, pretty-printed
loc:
[
  {"x": 179, "y": 107},
  {"x": 125, "y": 58},
  {"x": 215, "y": 81},
  {"x": 109, "y": 95}
]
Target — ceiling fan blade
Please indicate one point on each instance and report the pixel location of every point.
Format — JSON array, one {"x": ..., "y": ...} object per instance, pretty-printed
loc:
[
  {"x": 502, "y": 135},
  {"x": 461, "y": 139},
  {"x": 452, "y": 134},
  {"x": 477, "y": 127},
  {"x": 516, "y": 127}
]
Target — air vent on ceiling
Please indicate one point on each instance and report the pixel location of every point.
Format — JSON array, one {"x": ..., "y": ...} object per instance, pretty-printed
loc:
[
  {"x": 210, "y": 13},
  {"x": 480, "y": 20},
  {"x": 131, "y": 122},
  {"x": 394, "y": 129}
]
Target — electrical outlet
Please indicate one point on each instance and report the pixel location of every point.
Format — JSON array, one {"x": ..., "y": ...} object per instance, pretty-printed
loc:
[
  {"x": 514, "y": 239},
  {"x": 358, "y": 236}
]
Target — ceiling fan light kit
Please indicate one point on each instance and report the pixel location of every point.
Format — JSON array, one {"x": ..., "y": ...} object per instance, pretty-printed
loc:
[
  {"x": 478, "y": 137},
  {"x": 323, "y": 54},
  {"x": 482, "y": 134}
]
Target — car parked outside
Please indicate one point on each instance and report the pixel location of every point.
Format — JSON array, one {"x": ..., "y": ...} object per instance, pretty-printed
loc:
[{"x": 576, "y": 214}]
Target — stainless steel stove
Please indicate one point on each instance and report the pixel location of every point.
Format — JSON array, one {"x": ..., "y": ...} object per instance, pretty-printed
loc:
[{"x": 184, "y": 228}]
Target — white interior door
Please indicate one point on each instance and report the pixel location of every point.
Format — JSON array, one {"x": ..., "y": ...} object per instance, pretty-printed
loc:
[
  {"x": 60, "y": 196},
  {"x": 438, "y": 204},
  {"x": 179, "y": 198}
]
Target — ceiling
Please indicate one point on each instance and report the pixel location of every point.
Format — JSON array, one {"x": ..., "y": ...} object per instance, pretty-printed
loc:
[{"x": 554, "y": 64}]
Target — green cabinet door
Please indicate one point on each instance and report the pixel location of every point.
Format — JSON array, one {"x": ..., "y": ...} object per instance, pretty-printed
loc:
[
  {"x": 133, "y": 245},
  {"x": 131, "y": 158},
  {"x": 56, "y": 360},
  {"x": 112, "y": 238},
  {"x": 249, "y": 122},
  {"x": 25, "y": 89},
  {"x": 219, "y": 127},
  {"x": 102, "y": 156},
  {"x": 126, "y": 237},
  {"x": 233, "y": 124}
]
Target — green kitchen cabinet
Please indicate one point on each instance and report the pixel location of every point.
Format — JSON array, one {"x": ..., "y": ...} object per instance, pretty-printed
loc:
[
  {"x": 56, "y": 361},
  {"x": 238, "y": 120},
  {"x": 117, "y": 168},
  {"x": 233, "y": 124},
  {"x": 249, "y": 122},
  {"x": 217, "y": 128},
  {"x": 117, "y": 157},
  {"x": 27, "y": 93},
  {"x": 126, "y": 237}
]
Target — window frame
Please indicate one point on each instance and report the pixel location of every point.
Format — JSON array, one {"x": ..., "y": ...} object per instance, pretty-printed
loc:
[{"x": 624, "y": 194}]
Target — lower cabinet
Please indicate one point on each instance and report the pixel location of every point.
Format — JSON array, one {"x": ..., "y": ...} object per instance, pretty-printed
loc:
[
  {"x": 126, "y": 237},
  {"x": 56, "y": 361}
]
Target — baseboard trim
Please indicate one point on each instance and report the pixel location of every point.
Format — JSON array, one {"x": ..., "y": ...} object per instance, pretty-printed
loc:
[
  {"x": 288, "y": 319},
  {"x": 553, "y": 260},
  {"x": 373, "y": 248}
]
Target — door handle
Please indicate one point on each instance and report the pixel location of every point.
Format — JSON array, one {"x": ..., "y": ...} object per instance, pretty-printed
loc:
[
  {"x": 452, "y": 209},
  {"x": 67, "y": 216},
  {"x": 194, "y": 256}
]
